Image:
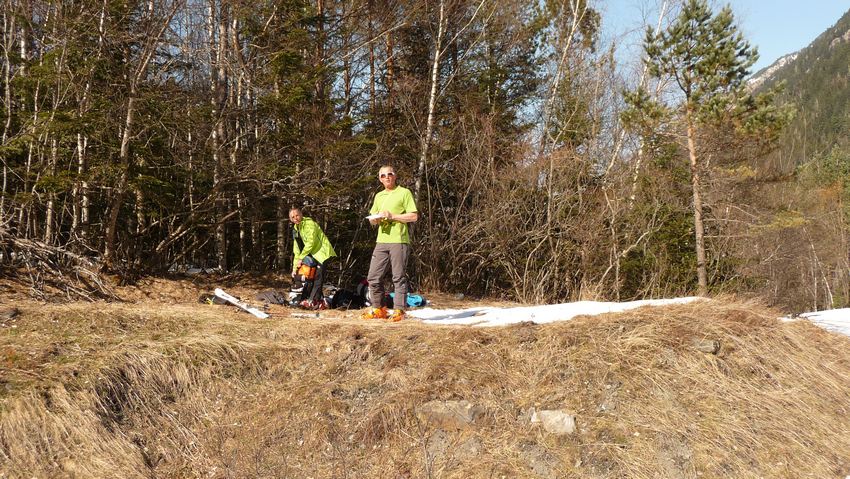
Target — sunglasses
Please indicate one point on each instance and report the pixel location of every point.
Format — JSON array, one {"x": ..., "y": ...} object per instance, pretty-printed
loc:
[{"x": 388, "y": 174}]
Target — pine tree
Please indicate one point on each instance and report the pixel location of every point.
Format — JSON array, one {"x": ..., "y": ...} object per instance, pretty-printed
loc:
[{"x": 707, "y": 59}]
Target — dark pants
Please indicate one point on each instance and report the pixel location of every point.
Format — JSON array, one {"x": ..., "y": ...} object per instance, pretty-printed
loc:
[
  {"x": 313, "y": 288},
  {"x": 389, "y": 256}
]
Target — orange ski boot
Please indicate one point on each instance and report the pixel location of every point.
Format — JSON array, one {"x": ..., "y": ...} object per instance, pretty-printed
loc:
[{"x": 375, "y": 313}]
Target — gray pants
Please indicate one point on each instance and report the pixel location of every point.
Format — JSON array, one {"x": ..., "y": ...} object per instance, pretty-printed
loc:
[{"x": 392, "y": 255}]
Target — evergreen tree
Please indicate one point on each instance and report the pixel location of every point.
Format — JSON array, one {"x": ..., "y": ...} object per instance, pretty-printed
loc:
[{"x": 707, "y": 59}]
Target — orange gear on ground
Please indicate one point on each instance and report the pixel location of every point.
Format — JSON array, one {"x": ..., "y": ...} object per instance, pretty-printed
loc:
[{"x": 375, "y": 313}]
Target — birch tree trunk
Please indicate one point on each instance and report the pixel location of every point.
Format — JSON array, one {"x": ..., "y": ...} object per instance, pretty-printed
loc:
[
  {"x": 58, "y": 66},
  {"x": 389, "y": 78},
  {"x": 432, "y": 103},
  {"x": 32, "y": 146},
  {"x": 8, "y": 44},
  {"x": 320, "y": 53},
  {"x": 371, "y": 31},
  {"x": 141, "y": 221},
  {"x": 22, "y": 71},
  {"x": 241, "y": 204},
  {"x": 282, "y": 217},
  {"x": 50, "y": 216},
  {"x": 80, "y": 194},
  {"x": 240, "y": 98}
]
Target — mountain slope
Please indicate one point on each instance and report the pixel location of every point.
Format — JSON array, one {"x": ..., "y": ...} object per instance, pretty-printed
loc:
[{"x": 817, "y": 81}]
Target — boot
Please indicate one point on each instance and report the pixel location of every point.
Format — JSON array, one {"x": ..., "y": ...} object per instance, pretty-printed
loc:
[{"x": 375, "y": 313}]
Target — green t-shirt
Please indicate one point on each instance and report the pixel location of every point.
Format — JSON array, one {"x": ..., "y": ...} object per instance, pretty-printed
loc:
[{"x": 397, "y": 201}]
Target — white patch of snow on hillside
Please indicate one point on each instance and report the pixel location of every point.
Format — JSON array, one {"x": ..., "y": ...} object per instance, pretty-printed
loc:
[
  {"x": 756, "y": 80},
  {"x": 836, "y": 320},
  {"x": 492, "y": 316}
]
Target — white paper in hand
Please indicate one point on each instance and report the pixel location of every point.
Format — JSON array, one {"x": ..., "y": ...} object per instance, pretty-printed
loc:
[{"x": 376, "y": 216}]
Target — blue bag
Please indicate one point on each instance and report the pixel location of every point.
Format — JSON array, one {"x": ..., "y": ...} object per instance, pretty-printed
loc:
[{"x": 413, "y": 300}]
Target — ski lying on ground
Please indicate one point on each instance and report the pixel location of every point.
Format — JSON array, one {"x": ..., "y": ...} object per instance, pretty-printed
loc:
[{"x": 241, "y": 304}]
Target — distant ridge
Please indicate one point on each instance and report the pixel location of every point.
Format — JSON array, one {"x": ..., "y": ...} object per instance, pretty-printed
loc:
[
  {"x": 817, "y": 81},
  {"x": 767, "y": 73}
]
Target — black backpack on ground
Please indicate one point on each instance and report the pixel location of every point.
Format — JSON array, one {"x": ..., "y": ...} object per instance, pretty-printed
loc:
[{"x": 347, "y": 299}]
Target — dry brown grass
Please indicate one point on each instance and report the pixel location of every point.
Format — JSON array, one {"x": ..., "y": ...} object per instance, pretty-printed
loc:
[{"x": 153, "y": 390}]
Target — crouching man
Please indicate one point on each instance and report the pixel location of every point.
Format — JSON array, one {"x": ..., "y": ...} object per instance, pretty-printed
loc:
[{"x": 310, "y": 246}]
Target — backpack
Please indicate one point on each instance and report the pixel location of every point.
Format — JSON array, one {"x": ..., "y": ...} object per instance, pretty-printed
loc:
[
  {"x": 413, "y": 300},
  {"x": 347, "y": 299}
]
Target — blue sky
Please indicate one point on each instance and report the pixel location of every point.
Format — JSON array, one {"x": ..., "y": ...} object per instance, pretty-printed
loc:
[{"x": 776, "y": 27}]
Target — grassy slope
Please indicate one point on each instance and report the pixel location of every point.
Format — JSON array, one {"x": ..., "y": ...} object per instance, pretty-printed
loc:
[{"x": 153, "y": 390}]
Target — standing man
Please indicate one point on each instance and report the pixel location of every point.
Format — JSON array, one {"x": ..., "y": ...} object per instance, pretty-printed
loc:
[
  {"x": 310, "y": 246},
  {"x": 391, "y": 211}
]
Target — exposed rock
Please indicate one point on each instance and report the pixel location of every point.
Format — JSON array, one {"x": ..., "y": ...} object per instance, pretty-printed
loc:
[
  {"x": 541, "y": 462},
  {"x": 9, "y": 313},
  {"x": 451, "y": 415},
  {"x": 756, "y": 80},
  {"x": 609, "y": 401},
  {"x": 835, "y": 41},
  {"x": 675, "y": 457},
  {"x": 559, "y": 422},
  {"x": 709, "y": 346},
  {"x": 608, "y": 405},
  {"x": 525, "y": 415},
  {"x": 468, "y": 449},
  {"x": 447, "y": 449},
  {"x": 437, "y": 445}
]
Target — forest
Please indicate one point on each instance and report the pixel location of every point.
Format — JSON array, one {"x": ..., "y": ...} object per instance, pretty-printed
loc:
[{"x": 148, "y": 137}]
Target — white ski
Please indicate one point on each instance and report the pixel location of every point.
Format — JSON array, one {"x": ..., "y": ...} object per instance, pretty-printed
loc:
[{"x": 245, "y": 306}]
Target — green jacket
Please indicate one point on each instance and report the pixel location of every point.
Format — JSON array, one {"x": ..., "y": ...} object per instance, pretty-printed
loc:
[{"x": 316, "y": 244}]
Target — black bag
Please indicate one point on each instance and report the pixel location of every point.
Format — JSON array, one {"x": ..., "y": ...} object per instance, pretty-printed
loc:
[
  {"x": 346, "y": 299},
  {"x": 272, "y": 297}
]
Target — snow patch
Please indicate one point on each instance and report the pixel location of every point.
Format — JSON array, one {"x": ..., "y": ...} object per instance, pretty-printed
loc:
[
  {"x": 492, "y": 316},
  {"x": 836, "y": 320},
  {"x": 766, "y": 74}
]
